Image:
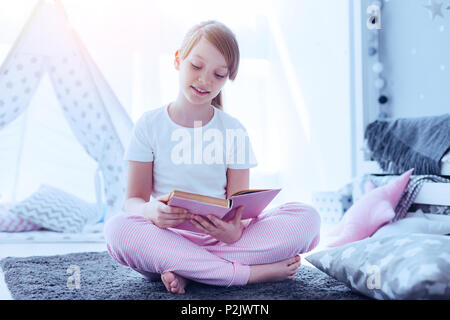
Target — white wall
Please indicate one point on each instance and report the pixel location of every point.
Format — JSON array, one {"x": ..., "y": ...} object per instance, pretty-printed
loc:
[
  {"x": 316, "y": 35},
  {"x": 414, "y": 51},
  {"x": 304, "y": 132}
]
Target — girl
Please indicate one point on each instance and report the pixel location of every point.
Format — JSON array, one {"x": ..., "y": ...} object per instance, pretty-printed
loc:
[{"x": 236, "y": 252}]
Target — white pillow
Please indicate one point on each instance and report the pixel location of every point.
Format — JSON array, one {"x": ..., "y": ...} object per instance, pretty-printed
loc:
[
  {"x": 417, "y": 222},
  {"x": 56, "y": 210}
]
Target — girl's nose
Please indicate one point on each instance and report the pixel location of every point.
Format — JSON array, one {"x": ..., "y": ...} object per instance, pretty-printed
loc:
[
  {"x": 202, "y": 81},
  {"x": 203, "y": 78}
]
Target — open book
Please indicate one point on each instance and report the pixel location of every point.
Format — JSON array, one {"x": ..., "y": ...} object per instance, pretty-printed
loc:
[{"x": 254, "y": 202}]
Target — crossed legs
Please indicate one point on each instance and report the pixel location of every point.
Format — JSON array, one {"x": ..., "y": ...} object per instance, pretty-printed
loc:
[{"x": 276, "y": 237}]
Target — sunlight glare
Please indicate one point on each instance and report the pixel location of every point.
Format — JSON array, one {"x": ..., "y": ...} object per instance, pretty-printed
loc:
[{"x": 289, "y": 69}]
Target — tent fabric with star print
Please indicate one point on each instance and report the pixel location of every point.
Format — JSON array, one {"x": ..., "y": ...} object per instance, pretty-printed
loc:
[{"x": 60, "y": 122}]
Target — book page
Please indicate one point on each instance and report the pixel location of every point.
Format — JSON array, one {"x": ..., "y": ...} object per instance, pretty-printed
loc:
[
  {"x": 248, "y": 191},
  {"x": 199, "y": 197}
]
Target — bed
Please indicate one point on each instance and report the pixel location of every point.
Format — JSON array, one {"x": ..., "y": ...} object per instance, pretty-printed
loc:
[
  {"x": 405, "y": 258},
  {"x": 408, "y": 258},
  {"x": 437, "y": 193}
]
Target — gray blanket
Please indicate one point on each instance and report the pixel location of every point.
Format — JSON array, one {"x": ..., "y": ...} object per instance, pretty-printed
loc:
[{"x": 401, "y": 144}]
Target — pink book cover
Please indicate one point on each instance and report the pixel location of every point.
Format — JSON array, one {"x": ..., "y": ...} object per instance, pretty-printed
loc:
[{"x": 253, "y": 202}]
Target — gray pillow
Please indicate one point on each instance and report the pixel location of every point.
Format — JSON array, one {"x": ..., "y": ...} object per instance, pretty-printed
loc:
[
  {"x": 406, "y": 266},
  {"x": 56, "y": 210}
]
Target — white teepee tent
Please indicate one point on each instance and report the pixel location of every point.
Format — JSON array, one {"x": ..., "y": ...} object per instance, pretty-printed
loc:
[{"x": 60, "y": 123}]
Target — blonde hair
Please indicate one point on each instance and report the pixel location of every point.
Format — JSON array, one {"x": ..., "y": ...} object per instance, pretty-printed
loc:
[{"x": 223, "y": 39}]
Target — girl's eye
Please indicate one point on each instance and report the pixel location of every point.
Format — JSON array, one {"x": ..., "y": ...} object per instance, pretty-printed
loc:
[{"x": 198, "y": 68}]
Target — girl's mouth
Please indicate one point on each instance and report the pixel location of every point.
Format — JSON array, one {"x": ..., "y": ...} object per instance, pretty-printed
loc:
[{"x": 200, "y": 91}]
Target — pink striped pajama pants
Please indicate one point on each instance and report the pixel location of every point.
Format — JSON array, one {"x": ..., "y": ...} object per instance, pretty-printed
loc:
[{"x": 277, "y": 234}]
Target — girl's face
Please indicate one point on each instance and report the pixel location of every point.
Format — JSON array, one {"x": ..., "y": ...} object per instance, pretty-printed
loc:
[{"x": 202, "y": 74}]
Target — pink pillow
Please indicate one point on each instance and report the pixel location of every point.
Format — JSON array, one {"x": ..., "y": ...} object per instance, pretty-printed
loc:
[{"x": 369, "y": 213}]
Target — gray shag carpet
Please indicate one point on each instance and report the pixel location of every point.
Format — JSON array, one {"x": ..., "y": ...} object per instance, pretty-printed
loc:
[{"x": 101, "y": 278}]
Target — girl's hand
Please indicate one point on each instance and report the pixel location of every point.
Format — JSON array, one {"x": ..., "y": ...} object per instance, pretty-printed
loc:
[
  {"x": 227, "y": 232},
  {"x": 163, "y": 215}
]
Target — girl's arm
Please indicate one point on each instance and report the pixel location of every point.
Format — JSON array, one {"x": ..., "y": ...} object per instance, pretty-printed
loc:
[
  {"x": 238, "y": 179},
  {"x": 140, "y": 185}
]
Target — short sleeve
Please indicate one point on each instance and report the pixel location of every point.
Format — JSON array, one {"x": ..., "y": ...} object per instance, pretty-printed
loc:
[
  {"x": 239, "y": 148},
  {"x": 140, "y": 148}
]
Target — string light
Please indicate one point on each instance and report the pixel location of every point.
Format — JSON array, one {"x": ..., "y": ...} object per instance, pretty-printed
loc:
[{"x": 377, "y": 66}]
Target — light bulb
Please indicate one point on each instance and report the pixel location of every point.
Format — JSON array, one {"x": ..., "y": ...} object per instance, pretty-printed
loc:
[{"x": 377, "y": 67}]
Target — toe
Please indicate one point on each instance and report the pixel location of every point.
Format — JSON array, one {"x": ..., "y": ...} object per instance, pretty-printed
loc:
[
  {"x": 174, "y": 283},
  {"x": 166, "y": 285},
  {"x": 166, "y": 276},
  {"x": 294, "y": 267},
  {"x": 167, "y": 279}
]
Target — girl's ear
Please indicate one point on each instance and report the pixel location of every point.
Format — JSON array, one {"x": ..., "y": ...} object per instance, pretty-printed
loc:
[{"x": 177, "y": 60}]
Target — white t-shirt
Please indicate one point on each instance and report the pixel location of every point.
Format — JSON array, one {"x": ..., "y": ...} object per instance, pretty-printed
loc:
[{"x": 190, "y": 159}]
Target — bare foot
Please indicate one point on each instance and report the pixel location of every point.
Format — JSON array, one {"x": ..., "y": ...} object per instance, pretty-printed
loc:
[
  {"x": 174, "y": 283},
  {"x": 277, "y": 271}
]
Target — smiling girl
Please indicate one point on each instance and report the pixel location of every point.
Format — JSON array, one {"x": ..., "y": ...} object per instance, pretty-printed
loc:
[{"x": 238, "y": 252}]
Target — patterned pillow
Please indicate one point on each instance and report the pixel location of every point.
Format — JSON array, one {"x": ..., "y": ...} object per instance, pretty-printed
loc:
[
  {"x": 407, "y": 266},
  {"x": 10, "y": 222},
  {"x": 56, "y": 210}
]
